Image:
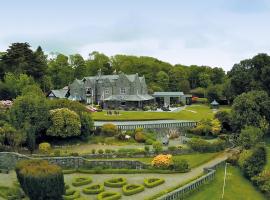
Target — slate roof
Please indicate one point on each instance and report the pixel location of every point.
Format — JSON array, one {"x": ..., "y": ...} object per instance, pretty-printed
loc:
[
  {"x": 138, "y": 97},
  {"x": 171, "y": 94},
  {"x": 61, "y": 93},
  {"x": 112, "y": 78}
]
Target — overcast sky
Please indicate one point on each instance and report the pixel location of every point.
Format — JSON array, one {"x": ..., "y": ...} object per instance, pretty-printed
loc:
[{"x": 203, "y": 32}]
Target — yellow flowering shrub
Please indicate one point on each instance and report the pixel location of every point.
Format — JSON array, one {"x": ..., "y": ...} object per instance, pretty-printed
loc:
[
  {"x": 162, "y": 161},
  {"x": 44, "y": 147}
]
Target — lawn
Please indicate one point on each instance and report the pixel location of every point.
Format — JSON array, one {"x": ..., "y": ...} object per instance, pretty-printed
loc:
[
  {"x": 237, "y": 188},
  {"x": 193, "y": 112}
]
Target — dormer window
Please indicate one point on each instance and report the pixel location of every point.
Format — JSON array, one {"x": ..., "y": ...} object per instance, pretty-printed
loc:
[{"x": 122, "y": 90}]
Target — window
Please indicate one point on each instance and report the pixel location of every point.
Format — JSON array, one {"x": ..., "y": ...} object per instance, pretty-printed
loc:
[
  {"x": 107, "y": 91},
  {"x": 88, "y": 91},
  {"x": 123, "y": 91}
]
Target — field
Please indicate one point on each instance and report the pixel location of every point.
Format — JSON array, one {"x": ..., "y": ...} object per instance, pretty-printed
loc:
[
  {"x": 193, "y": 112},
  {"x": 237, "y": 188}
]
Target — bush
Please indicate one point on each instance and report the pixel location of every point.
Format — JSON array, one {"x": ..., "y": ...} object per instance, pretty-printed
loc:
[
  {"x": 107, "y": 151},
  {"x": 172, "y": 148},
  {"x": 44, "y": 147},
  {"x": 140, "y": 137},
  {"x": 252, "y": 162},
  {"x": 250, "y": 136},
  {"x": 79, "y": 181},
  {"x": 100, "y": 151},
  {"x": 146, "y": 148},
  {"x": 75, "y": 154},
  {"x": 108, "y": 195},
  {"x": 153, "y": 182},
  {"x": 109, "y": 129},
  {"x": 201, "y": 145},
  {"x": 262, "y": 181},
  {"x": 157, "y": 146},
  {"x": 149, "y": 141},
  {"x": 93, "y": 189},
  {"x": 57, "y": 152},
  {"x": 93, "y": 151},
  {"x": 131, "y": 189},
  {"x": 40, "y": 180},
  {"x": 116, "y": 182},
  {"x": 162, "y": 161},
  {"x": 71, "y": 194},
  {"x": 181, "y": 165}
]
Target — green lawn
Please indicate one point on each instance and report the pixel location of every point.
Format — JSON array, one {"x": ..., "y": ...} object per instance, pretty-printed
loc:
[
  {"x": 193, "y": 112},
  {"x": 237, "y": 187}
]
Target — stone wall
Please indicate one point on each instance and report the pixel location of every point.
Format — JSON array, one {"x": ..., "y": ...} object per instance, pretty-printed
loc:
[{"x": 8, "y": 160}]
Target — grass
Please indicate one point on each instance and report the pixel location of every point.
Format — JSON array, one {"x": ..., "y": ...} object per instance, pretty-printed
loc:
[
  {"x": 237, "y": 187},
  {"x": 193, "y": 112}
]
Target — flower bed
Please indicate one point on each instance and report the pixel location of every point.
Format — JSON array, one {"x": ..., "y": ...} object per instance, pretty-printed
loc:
[
  {"x": 115, "y": 182},
  {"x": 153, "y": 182},
  {"x": 109, "y": 196},
  {"x": 93, "y": 189},
  {"x": 79, "y": 181},
  {"x": 131, "y": 189}
]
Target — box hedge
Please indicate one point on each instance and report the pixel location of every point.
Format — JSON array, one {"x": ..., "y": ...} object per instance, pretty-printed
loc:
[
  {"x": 108, "y": 195},
  {"x": 131, "y": 189},
  {"x": 115, "y": 182},
  {"x": 79, "y": 181},
  {"x": 93, "y": 189},
  {"x": 153, "y": 182},
  {"x": 71, "y": 194}
]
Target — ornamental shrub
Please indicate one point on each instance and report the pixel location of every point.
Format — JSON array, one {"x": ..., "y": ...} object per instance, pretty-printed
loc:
[
  {"x": 149, "y": 141},
  {"x": 40, "y": 180},
  {"x": 201, "y": 145},
  {"x": 140, "y": 137},
  {"x": 71, "y": 194},
  {"x": 262, "y": 181},
  {"x": 109, "y": 195},
  {"x": 157, "y": 146},
  {"x": 131, "y": 189},
  {"x": 44, "y": 147},
  {"x": 116, "y": 182},
  {"x": 181, "y": 165},
  {"x": 100, "y": 151},
  {"x": 162, "y": 161},
  {"x": 146, "y": 148},
  {"x": 153, "y": 182},
  {"x": 93, "y": 189},
  {"x": 109, "y": 129},
  {"x": 79, "y": 181}
]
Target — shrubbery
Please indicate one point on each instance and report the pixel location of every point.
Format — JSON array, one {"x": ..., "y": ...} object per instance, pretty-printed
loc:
[
  {"x": 131, "y": 189},
  {"x": 201, "y": 145},
  {"x": 109, "y": 129},
  {"x": 162, "y": 161},
  {"x": 93, "y": 189},
  {"x": 181, "y": 165},
  {"x": 71, "y": 194},
  {"x": 116, "y": 182},
  {"x": 40, "y": 180},
  {"x": 79, "y": 181},
  {"x": 157, "y": 146},
  {"x": 108, "y": 195},
  {"x": 44, "y": 147},
  {"x": 153, "y": 182},
  {"x": 262, "y": 181}
]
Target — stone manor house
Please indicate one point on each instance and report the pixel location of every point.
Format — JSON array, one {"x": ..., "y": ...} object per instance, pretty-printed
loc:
[{"x": 109, "y": 91}]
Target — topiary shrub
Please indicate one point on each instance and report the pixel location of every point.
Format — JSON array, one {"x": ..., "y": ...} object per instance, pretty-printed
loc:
[
  {"x": 71, "y": 194},
  {"x": 162, "y": 161},
  {"x": 79, "y": 181},
  {"x": 109, "y": 129},
  {"x": 100, "y": 151},
  {"x": 40, "y": 180},
  {"x": 44, "y": 147},
  {"x": 140, "y": 137},
  {"x": 131, "y": 189},
  {"x": 93, "y": 189},
  {"x": 157, "y": 146},
  {"x": 116, "y": 182},
  {"x": 153, "y": 182},
  {"x": 181, "y": 165},
  {"x": 109, "y": 195}
]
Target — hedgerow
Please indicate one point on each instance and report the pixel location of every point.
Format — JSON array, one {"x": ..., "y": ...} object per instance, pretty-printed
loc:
[{"x": 153, "y": 182}]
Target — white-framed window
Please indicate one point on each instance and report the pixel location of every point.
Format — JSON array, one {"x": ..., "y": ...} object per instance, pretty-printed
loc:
[
  {"x": 122, "y": 90},
  {"x": 107, "y": 91}
]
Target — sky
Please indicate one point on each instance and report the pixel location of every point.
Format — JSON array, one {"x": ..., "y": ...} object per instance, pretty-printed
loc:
[{"x": 217, "y": 33}]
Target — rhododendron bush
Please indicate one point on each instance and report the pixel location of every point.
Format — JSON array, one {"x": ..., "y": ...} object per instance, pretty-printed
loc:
[{"x": 162, "y": 161}]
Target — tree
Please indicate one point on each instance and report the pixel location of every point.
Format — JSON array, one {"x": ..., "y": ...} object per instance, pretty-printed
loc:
[
  {"x": 249, "y": 109},
  {"x": 184, "y": 86},
  {"x": 217, "y": 75},
  {"x": 87, "y": 124},
  {"x": 64, "y": 123},
  {"x": 40, "y": 180},
  {"x": 163, "y": 80},
  {"x": 176, "y": 75},
  {"x": 214, "y": 92},
  {"x": 225, "y": 118},
  {"x": 250, "y": 136},
  {"x": 78, "y": 63},
  {"x": 19, "y": 58}
]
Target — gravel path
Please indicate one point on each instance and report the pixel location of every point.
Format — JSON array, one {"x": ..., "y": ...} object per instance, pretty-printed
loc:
[{"x": 170, "y": 179}]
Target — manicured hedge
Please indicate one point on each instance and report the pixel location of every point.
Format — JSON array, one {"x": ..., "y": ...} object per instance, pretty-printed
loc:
[
  {"x": 108, "y": 195},
  {"x": 71, "y": 194},
  {"x": 79, "y": 181},
  {"x": 131, "y": 189},
  {"x": 153, "y": 182},
  {"x": 116, "y": 182},
  {"x": 93, "y": 189}
]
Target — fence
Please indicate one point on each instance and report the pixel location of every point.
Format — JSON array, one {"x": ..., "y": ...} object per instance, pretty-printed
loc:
[{"x": 179, "y": 193}]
